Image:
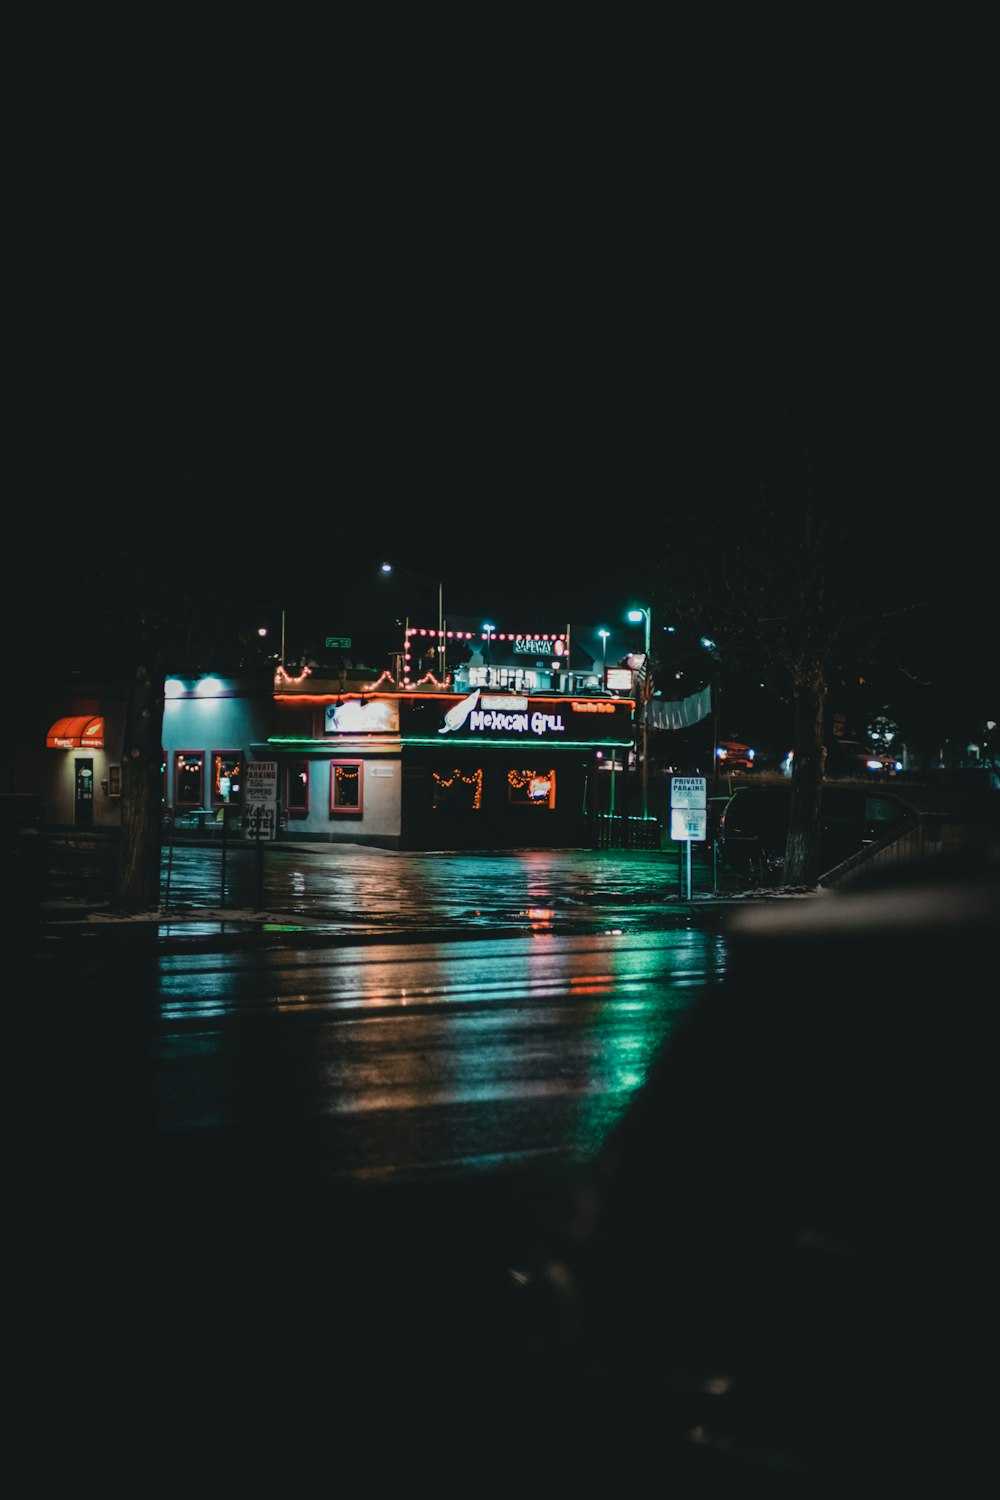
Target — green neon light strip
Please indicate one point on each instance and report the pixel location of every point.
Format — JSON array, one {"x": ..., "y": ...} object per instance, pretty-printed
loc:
[
  {"x": 442, "y": 744},
  {"x": 521, "y": 743}
]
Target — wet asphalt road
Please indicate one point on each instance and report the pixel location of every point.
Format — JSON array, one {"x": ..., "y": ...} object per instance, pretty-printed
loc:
[
  {"x": 305, "y": 1187},
  {"x": 206, "y": 1253}
]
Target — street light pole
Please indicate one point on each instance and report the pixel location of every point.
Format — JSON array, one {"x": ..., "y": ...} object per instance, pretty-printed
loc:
[
  {"x": 641, "y": 612},
  {"x": 441, "y": 653},
  {"x": 441, "y": 661},
  {"x": 604, "y": 657},
  {"x": 489, "y": 629},
  {"x": 707, "y": 644}
]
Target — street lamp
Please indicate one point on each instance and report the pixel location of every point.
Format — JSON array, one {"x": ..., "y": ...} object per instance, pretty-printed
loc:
[
  {"x": 489, "y": 629},
  {"x": 604, "y": 656},
  {"x": 389, "y": 568},
  {"x": 637, "y": 613},
  {"x": 707, "y": 644}
]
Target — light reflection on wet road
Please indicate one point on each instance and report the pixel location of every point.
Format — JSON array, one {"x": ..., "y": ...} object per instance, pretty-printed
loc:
[
  {"x": 396, "y": 1062},
  {"x": 386, "y": 889}
]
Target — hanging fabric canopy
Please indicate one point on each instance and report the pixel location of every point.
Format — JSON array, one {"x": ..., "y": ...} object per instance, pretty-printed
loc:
[
  {"x": 82, "y": 732},
  {"x": 680, "y": 713}
]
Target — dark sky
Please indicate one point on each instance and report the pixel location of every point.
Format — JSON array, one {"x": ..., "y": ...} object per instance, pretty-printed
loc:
[{"x": 495, "y": 350}]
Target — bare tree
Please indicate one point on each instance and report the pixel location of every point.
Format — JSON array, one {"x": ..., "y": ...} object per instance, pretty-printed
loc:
[{"x": 785, "y": 560}]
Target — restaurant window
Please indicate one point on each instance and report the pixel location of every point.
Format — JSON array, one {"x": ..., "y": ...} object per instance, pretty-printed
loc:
[
  {"x": 297, "y": 788},
  {"x": 189, "y": 778},
  {"x": 227, "y": 778},
  {"x": 531, "y": 788},
  {"x": 114, "y": 781},
  {"x": 346, "y": 787},
  {"x": 457, "y": 791}
]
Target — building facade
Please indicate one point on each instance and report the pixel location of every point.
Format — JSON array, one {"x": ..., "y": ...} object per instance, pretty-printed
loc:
[
  {"x": 427, "y": 768},
  {"x": 513, "y": 749}
]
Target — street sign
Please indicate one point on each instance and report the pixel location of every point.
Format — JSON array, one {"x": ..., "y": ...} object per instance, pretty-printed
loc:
[
  {"x": 689, "y": 823},
  {"x": 689, "y": 791},
  {"x": 338, "y": 640},
  {"x": 689, "y": 815},
  {"x": 260, "y": 800}
]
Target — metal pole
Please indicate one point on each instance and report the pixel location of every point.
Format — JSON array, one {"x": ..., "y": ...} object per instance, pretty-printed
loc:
[
  {"x": 645, "y": 727},
  {"x": 170, "y": 857},
  {"x": 715, "y": 737},
  {"x": 441, "y": 651}
]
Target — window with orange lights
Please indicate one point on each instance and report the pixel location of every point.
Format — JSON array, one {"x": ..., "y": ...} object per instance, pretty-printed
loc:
[
  {"x": 189, "y": 778},
  {"x": 227, "y": 778},
  {"x": 531, "y": 788},
  {"x": 346, "y": 788},
  {"x": 457, "y": 791}
]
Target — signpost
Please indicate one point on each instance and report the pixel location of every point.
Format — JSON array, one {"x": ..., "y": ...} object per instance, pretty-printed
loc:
[
  {"x": 689, "y": 814},
  {"x": 260, "y": 811},
  {"x": 260, "y": 800}
]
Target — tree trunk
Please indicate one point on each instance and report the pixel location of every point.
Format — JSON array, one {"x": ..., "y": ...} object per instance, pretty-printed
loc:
[
  {"x": 137, "y": 877},
  {"x": 802, "y": 854}
]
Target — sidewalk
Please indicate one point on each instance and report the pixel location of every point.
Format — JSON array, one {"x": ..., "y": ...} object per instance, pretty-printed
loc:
[{"x": 195, "y": 918}]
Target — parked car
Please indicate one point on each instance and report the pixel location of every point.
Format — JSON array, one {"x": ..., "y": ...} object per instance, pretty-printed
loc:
[
  {"x": 734, "y": 756},
  {"x": 753, "y": 826}
]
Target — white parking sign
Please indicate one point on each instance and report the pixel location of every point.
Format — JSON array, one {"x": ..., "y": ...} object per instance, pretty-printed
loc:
[
  {"x": 260, "y": 800},
  {"x": 689, "y": 823},
  {"x": 689, "y": 791},
  {"x": 689, "y": 808}
]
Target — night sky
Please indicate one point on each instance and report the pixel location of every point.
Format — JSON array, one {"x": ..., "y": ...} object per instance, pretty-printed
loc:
[{"x": 496, "y": 362}]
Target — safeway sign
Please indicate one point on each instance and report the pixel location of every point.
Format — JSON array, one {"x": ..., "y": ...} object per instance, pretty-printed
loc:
[{"x": 260, "y": 800}]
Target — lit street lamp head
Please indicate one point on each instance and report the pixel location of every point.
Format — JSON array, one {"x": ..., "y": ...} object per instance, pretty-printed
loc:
[
  {"x": 635, "y": 614},
  {"x": 387, "y": 567}
]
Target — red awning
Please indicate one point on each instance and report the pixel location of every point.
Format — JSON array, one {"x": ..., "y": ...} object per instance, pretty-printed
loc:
[{"x": 84, "y": 732}]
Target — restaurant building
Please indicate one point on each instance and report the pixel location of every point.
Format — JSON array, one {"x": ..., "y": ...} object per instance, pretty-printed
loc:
[
  {"x": 514, "y": 748},
  {"x": 519, "y": 743}
]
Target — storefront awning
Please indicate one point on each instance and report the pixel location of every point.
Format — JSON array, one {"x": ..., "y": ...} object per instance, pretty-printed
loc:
[{"x": 84, "y": 732}]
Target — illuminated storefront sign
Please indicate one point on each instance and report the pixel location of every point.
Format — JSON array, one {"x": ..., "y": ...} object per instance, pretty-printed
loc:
[
  {"x": 539, "y": 645},
  {"x": 82, "y": 732},
  {"x": 509, "y": 703},
  {"x": 360, "y": 717},
  {"x": 493, "y": 721},
  {"x": 509, "y": 714}
]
